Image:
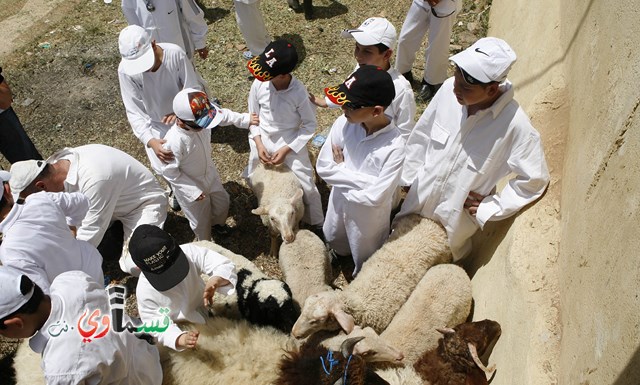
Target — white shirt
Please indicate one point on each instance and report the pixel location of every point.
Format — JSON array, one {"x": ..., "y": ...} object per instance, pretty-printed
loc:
[
  {"x": 114, "y": 358},
  {"x": 192, "y": 170},
  {"x": 115, "y": 183},
  {"x": 287, "y": 117},
  {"x": 402, "y": 109},
  {"x": 184, "y": 26},
  {"x": 184, "y": 301},
  {"x": 37, "y": 239},
  {"x": 372, "y": 164},
  {"x": 148, "y": 96},
  {"x": 451, "y": 154}
]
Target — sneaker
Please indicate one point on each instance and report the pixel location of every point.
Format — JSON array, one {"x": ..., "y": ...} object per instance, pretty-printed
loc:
[
  {"x": 247, "y": 55},
  {"x": 173, "y": 202},
  {"x": 409, "y": 76},
  {"x": 427, "y": 91}
]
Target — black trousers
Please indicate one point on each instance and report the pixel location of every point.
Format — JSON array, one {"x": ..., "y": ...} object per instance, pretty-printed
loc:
[{"x": 15, "y": 145}]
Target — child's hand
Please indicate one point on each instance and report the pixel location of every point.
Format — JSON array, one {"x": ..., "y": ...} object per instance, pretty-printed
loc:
[
  {"x": 210, "y": 288},
  {"x": 254, "y": 120},
  {"x": 279, "y": 156},
  {"x": 162, "y": 154},
  {"x": 187, "y": 340},
  {"x": 320, "y": 102},
  {"x": 169, "y": 118},
  {"x": 338, "y": 156},
  {"x": 264, "y": 155}
]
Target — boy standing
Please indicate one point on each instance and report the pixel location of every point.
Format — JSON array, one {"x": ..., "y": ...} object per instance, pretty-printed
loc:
[
  {"x": 375, "y": 39},
  {"x": 171, "y": 279},
  {"x": 473, "y": 134},
  {"x": 72, "y": 355},
  {"x": 287, "y": 121},
  {"x": 362, "y": 159},
  {"x": 192, "y": 173}
]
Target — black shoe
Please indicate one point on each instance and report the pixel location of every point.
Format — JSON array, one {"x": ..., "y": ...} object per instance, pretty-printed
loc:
[
  {"x": 294, "y": 4},
  {"x": 427, "y": 91},
  {"x": 221, "y": 229},
  {"x": 409, "y": 76},
  {"x": 317, "y": 230}
]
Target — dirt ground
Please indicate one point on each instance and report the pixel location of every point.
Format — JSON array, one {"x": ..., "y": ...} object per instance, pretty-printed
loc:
[{"x": 60, "y": 58}]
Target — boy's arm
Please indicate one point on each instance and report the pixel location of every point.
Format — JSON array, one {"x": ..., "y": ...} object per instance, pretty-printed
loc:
[
  {"x": 405, "y": 111},
  {"x": 381, "y": 188},
  {"x": 337, "y": 174},
  {"x": 232, "y": 118},
  {"x": 194, "y": 16},
  {"x": 308, "y": 123},
  {"x": 74, "y": 206},
  {"x": 139, "y": 120},
  {"x": 172, "y": 172},
  {"x": 149, "y": 311},
  {"x": 95, "y": 223},
  {"x": 532, "y": 177},
  {"x": 214, "y": 265}
]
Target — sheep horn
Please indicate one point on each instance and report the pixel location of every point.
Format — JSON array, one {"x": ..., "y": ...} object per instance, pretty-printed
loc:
[
  {"x": 445, "y": 331},
  {"x": 346, "y": 348},
  {"x": 338, "y": 381},
  {"x": 474, "y": 354}
]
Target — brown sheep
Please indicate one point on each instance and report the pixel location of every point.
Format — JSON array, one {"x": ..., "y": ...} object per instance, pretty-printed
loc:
[{"x": 456, "y": 359}]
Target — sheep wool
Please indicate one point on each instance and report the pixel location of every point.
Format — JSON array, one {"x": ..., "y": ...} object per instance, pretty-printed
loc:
[
  {"x": 305, "y": 265},
  {"x": 280, "y": 203},
  {"x": 26, "y": 364}
]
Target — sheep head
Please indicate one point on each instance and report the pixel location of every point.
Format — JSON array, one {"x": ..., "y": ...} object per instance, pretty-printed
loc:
[
  {"x": 283, "y": 216},
  {"x": 322, "y": 311},
  {"x": 372, "y": 348},
  {"x": 313, "y": 364}
]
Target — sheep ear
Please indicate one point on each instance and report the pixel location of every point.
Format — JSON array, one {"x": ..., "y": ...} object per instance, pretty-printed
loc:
[
  {"x": 346, "y": 321},
  {"x": 474, "y": 354},
  {"x": 445, "y": 331},
  {"x": 297, "y": 196},
  {"x": 262, "y": 210}
]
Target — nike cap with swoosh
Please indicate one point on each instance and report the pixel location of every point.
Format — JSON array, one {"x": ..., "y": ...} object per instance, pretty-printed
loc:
[{"x": 487, "y": 60}]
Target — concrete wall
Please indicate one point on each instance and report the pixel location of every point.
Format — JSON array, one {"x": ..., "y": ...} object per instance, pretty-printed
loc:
[{"x": 563, "y": 277}]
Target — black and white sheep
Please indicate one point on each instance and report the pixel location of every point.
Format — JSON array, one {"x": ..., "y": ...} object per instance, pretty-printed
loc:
[
  {"x": 384, "y": 284},
  {"x": 260, "y": 299},
  {"x": 306, "y": 266},
  {"x": 280, "y": 204}
]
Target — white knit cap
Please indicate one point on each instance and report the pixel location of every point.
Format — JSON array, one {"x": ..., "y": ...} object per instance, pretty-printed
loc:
[
  {"x": 487, "y": 60},
  {"x": 135, "y": 48},
  {"x": 374, "y": 30},
  {"x": 11, "y": 298}
]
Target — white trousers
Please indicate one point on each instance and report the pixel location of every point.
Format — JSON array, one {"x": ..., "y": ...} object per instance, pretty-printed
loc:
[
  {"x": 300, "y": 165},
  {"x": 212, "y": 210},
  {"x": 251, "y": 25},
  {"x": 355, "y": 229},
  {"x": 419, "y": 20}
]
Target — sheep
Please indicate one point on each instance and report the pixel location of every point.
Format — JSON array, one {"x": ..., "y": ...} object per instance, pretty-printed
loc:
[
  {"x": 306, "y": 266},
  {"x": 26, "y": 364},
  {"x": 442, "y": 297},
  {"x": 383, "y": 285},
  {"x": 260, "y": 299},
  {"x": 280, "y": 204}
]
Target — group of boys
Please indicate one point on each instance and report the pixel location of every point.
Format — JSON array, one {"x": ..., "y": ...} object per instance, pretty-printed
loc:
[{"x": 471, "y": 135}]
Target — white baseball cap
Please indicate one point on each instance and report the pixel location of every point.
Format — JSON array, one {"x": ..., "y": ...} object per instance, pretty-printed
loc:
[
  {"x": 23, "y": 173},
  {"x": 11, "y": 297},
  {"x": 374, "y": 30},
  {"x": 135, "y": 48},
  {"x": 192, "y": 105},
  {"x": 487, "y": 60}
]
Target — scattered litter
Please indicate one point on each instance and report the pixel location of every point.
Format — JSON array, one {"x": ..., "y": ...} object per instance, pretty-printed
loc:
[
  {"x": 77, "y": 28},
  {"x": 331, "y": 71},
  {"x": 27, "y": 102},
  {"x": 107, "y": 1},
  {"x": 87, "y": 67},
  {"x": 44, "y": 44},
  {"x": 318, "y": 140}
]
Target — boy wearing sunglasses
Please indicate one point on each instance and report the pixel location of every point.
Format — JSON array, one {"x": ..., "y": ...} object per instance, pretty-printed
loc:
[
  {"x": 192, "y": 173},
  {"x": 362, "y": 159}
]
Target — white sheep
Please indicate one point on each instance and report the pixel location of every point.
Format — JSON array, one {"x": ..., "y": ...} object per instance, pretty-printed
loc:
[
  {"x": 384, "y": 284},
  {"x": 305, "y": 265},
  {"x": 26, "y": 364},
  {"x": 280, "y": 204}
]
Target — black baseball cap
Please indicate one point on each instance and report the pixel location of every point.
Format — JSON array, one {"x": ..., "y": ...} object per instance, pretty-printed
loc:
[
  {"x": 279, "y": 58},
  {"x": 368, "y": 86},
  {"x": 158, "y": 256}
]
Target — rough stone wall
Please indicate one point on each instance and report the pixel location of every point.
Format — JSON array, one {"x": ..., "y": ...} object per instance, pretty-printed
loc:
[{"x": 563, "y": 277}]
